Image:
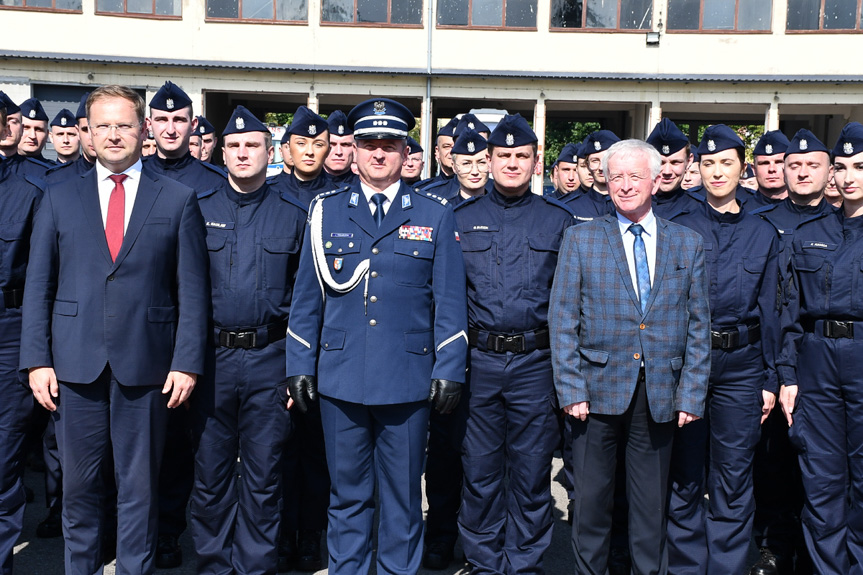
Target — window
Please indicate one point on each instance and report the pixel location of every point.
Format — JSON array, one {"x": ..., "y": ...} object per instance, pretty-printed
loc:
[
  {"x": 709, "y": 15},
  {"x": 161, "y": 8},
  {"x": 490, "y": 13},
  {"x": 602, "y": 14},
  {"x": 400, "y": 12},
  {"x": 268, "y": 10},
  {"x": 64, "y": 5},
  {"x": 823, "y": 15}
]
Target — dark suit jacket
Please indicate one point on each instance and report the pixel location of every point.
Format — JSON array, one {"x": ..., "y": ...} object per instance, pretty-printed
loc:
[
  {"x": 145, "y": 314},
  {"x": 599, "y": 336}
]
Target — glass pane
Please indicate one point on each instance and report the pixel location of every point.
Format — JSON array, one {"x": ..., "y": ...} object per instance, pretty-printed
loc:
[
  {"x": 223, "y": 9},
  {"x": 718, "y": 15},
  {"x": 683, "y": 14},
  {"x": 168, "y": 8},
  {"x": 109, "y": 5},
  {"x": 487, "y": 13},
  {"x": 292, "y": 10},
  {"x": 257, "y": 10},
  {"x": 636, "y": 14},
  {"x": 803, "y": 14},
  {"x": 68, "y": 4},
  {"x": 371, "y": 10},
  {"x": 840, "y": 14},
  {"x": 566, "y": 13},
  {"x": 754, "y": 14},
  {"x": 39, "y": 3},
  {"x": 338, "y": 11},
  {"x": 520, "y": 14},
  {"x": 11, "y": 2},
  {"x": 452, "y": 12},
  {"x": 406, "y": 11},
  {"x": 139, "y": 6},
  {"x": 601, "y": 14}
]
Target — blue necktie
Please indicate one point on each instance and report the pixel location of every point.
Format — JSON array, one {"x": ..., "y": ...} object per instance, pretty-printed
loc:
[
  {"x": 642, "y": 271},
  {"x": 378, "y": 200}
]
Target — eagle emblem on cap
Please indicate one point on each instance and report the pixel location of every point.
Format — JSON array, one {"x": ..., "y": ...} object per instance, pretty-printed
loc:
[
  {"x": 240, "y": 123},
  {"x": 32, "y": 114},
  {"x": 575, "y": 159},
  {"x": 848, "y": 148},
  {"x": 313, "y": 129},
  {"x": 341, "y": 130},
  {"x": 597, "y": 146},
  {"x": 201, "y": 129},
  {"x": 711, "y": 145},
  {"x": 471, "y": 126},
  {"x": 169, "y": 103},
  {"x": 380, "y": 107},
  {"x": 62, "y": 121},
  {"x": 471, "y": 147},
  {"x": 804, "y": 145},
  {"x": 666, "y": 150},
  {"x": 510, "y": 139},
  {"x": 768, "y": 148}
]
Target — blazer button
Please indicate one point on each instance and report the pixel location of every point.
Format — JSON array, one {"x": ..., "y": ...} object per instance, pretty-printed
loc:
[
  {"x": 375, "y": 251},
  {"x": 110, "y": 278},
  {"x": 373, "y": 322},
  {"x": 374, "y": 274},
  {"x": 373, "y": 299},
  {"x": 416, "y": 252},
  {"x": 425, "y": 350},
  {"x": 326, "y": 345},
  {"x": 642, "y": 326},
  {"x": 636, "y": 356}
]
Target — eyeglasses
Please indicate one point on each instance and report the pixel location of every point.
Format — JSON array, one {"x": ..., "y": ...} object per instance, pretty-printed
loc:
[
  {"x": 467, "y": 166},
  {"x": 125, "y": 129},
  {"x": 634, "y": 177}
]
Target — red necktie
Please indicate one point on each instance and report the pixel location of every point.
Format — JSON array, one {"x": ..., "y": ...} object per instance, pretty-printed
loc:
[{"x": 114, "y": 223}]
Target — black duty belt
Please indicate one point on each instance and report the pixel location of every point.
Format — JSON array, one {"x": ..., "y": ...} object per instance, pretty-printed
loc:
[
  {"x": 13, "y": 297},
  {"x": 250, "y": 337},
  {"x": 832, "y": 328},
  {"x": 734, "y": 337},
  {"x": 512, "y": 342}
]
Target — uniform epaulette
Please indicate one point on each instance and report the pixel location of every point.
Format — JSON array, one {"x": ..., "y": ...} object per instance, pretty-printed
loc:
[
  {"x": 59, "y": 167},
  {"x": 331, "y": 193},
  {"x": 552, "y": 201},
  {"x": 39, "y": 183},
  {"x": 693, "y": 193},
  {"x": 443, "y": 201},
  {"x": 39, "y": 163},
  {"x": 215, "y": 169},
  {"x": 206, "y": 193},
  {"x": 433, "y": 185},
  {"x": 467, "y": 202},
  {"x": 761, "y": 209},
  {"x": 291, "y": 199}
]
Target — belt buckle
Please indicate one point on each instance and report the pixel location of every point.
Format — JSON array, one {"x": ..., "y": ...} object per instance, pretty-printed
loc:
[
  {"x": 514, "y": 343},
  {"x": 227, "y": 339},
  {"x": 836, "y": 329},
  {"x": 730, "y": 339},
  {"x": 246, "y": 339}
]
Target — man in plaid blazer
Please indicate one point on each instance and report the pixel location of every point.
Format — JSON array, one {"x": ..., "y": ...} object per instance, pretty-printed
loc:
[{"x": 630, "y": 347}]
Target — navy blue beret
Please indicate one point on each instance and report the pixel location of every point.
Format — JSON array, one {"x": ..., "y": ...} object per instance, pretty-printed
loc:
[
  {"x": 804, "y": 142},
  {"x": 414, "y": 146},
  {"x": 338, "y": 124},
  {"x": 243, "y": 121},
  {"x": 599, "y": 141},
  {"x": 11, "y": 107},
  {"x": 469, "y": 142},
  {"x": 850, "y": 142},
  {"x": 667, "y": 138},
  {"x": 512, "y": 131},
  {"x": 381, "y": 119},
  {"x": 64, "y": 119},
  {"x": 32, "y": 108},
  {"x": 306, "y": 123},
  {"x": 718, "y": 138},
  {"x": 773, "y": 142},
  {"x": 170, "y": 97}
]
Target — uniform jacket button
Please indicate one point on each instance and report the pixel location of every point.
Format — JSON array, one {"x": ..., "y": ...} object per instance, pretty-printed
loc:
[{"x": 373, "y": 322}]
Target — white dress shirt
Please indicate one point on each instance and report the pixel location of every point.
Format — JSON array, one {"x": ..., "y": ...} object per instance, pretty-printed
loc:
[
  {"x": 649, "y": 237},
  {"x": 106, "y": 186},
  {"x": 390, "y": 193}
]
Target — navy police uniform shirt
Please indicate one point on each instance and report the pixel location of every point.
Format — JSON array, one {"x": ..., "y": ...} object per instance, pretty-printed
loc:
[
  {"x": 379, "y": 312},
  {"x": 188, "y": 170},
  {"x": 588, "y": 206},
  {"x": 253, "y": 241},
  {"x": 27, "y": 167},
  {"x": 827, "y": 265},
  {"x": 510, "y": 250},
  {"x": 347, "y": 179},
  {"x": 754, "y": 199},
  {"x": 786, "y": 216},
  {"x": 741, "y": 254},
  {"x": 68, "y": 170},
  {"x": 19, "y": 200},
  {"x": 668, "y": 205},
  {"x": 304, "y": 192},
  {"x": 441, "y": 177}
]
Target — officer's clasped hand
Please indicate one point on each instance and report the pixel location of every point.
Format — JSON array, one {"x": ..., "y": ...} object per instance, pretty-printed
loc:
[
  {"x": 444, "y": 394},
  {"x": 303, "y": 389}
]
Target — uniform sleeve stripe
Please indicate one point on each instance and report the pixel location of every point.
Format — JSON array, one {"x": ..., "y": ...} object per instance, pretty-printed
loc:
[
  {"x": 449, "y": 340},
  {"x": 299, "y": 339}
]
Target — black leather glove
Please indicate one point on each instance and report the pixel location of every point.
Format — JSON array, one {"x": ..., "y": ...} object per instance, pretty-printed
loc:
[
  {"x": 303, "y": 389},
  {"x": 445, "y": 394}
]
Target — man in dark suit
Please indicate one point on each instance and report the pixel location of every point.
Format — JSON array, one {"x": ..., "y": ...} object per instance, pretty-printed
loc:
[
  {"x": 114, "y": 327},
  {"x": 630, "y": 346}
]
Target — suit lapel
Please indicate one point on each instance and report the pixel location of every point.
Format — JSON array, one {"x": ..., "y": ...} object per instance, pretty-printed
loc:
[
  {"x": 360, "y": 213},
  {"x": 396, "y": 215},
  {"x": 612, "y": 229},
  {"x": 89, "y": 195},
  {"x": 148, "y": 191},
  {"x": 661, "y": 260}
]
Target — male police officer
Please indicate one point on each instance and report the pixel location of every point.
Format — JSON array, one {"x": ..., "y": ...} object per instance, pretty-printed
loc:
[
  {"x": 88, "y": 154},
  {"x": 308, "y": 146},
  {"x": 510, "y": 239},
  {"x": 18, "y": 163},
  {"x": 595, "y": 146},
  {"x": 253, "y": 239},
  {"x": 64, "y": 137},
  {"x": 769, "y": 155},
  {"x": 34, "y": 131},
  {"x": 379, "y": 314},
  {"x": 341, "y": 156},
  {"x": 413, "y": 168},
  {"x": 208, "y": 139},
  {"x": 565, "y": 171},
  {"x": 443, "y": 154},
  {"x": 674, "y": 149}
]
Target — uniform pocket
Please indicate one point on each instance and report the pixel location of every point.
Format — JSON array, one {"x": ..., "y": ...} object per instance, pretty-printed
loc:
[
  {"x": 413, "y": 262},
  {"x": 278, "y": 271}
]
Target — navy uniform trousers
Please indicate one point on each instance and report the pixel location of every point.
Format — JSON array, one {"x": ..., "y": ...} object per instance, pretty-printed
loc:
[{"x": 510, "y": 436}]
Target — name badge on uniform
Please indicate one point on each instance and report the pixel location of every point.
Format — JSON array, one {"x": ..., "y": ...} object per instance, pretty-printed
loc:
[
  {"x": 355, "y": 199},
  {"x": 419, "y": 233},
  {"x": 338, "y": 263},
  {"x": 406, "y": 202},
  {"x": 341, "y": 235},
  {"x": 220, "y": 225}
]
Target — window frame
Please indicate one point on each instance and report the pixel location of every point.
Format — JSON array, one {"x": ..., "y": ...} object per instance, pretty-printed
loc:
[
  {"x": 617, "y": 30},
  {"x": 502, "y": 28},
  {"x": 735, "y": 31},
  {"x": 821, "y": 30},
  {"x": 53, "y": 9},
  {"x": 241, "y": 20},
  {"x": 387, "y": 24},
  {"x": 126, "y": 14}
]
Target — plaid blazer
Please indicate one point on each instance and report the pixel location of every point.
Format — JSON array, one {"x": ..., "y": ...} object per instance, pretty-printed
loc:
[{"x": 600, "y": 337}]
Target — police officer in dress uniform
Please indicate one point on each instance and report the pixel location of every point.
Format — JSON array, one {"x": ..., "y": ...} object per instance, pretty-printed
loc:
[
  {"x": 64, "y": 137},
  {"x": 341, "y": 156},
  {"x": 18, "y": 163},
  {"x": 172, "y": 123},
  {"x": 19, "y": 200},
  {"x": 510, "y": 239},
  {"x": 34, "y": 131},
  {"x": 741, "y": 253},
  {"x": 769, "y": 156},
  {"x": 413, "y": 168},
  {"x": 379, "y": 327},
  {"x": 778, "y": 487},
  {"x": 253, "y": 239},
  {"x": 674, "y": 149},
  {"x": 308, "y": 146},
  {"x": 820, "y": 367}
]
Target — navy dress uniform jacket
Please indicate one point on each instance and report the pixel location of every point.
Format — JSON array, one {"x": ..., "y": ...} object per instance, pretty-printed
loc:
[{"x": 377, "y": 312}]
